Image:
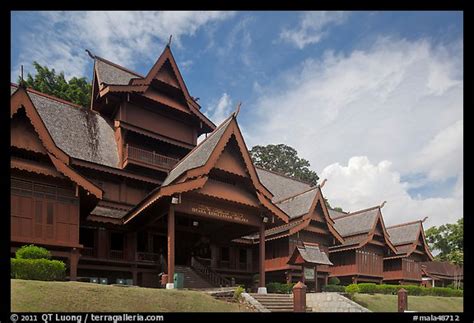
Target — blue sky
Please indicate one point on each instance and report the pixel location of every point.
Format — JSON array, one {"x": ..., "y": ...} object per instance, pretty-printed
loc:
[{"x": 372, "y": 99}]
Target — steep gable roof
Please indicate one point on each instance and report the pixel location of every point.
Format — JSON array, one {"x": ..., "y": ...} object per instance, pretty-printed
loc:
[
  {"x": 124, "y": 80},
  {"x": 111, "y": 73},
  {"x": 199, "y": 162},
  {"x": 359, "y": 227},
  {"x": 60, "y": 159},
  {"x": 280, "y": 185},
  {"x": 310, "y": 254},
  {"x": 77, "y": 131},
  {"x": 405, "y": 237}
]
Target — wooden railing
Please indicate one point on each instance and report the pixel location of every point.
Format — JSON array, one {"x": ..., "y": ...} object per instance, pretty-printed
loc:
[
  {"x": 210, "y": 274},
  {"x": 149, "y": 157},
  {"x": 116, "y": 254},
  {"x": 276, "y": 263},
  {"x": 147, "y": 257}
]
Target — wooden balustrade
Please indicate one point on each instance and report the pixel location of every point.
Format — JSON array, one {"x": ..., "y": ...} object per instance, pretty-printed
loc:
[
  {"x": 210, "y": 274},
  {"x": 147, "y": 257},
  {"x": 276, "y": 263},
  {"x": 148, "y": 157},
  {"x": 116, "y": 254}
]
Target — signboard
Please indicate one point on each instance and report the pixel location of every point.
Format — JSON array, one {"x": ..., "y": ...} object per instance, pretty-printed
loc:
[
  {"x": 219, "y": 213},
  {"x": 309, "y": 273}
]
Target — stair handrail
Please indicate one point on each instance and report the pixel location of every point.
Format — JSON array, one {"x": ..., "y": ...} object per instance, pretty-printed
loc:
[{"x": 210, "y": 274}]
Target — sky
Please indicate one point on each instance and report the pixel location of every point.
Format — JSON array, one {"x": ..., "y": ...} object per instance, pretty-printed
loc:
[{"x": 373, "y": 100}]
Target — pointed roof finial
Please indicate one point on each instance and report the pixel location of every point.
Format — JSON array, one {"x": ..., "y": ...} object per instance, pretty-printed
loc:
[
  {"x": 237, "y": 110},
  {"x": 169, "y": 41},
  {"x": 382, "y": 205},
  {"x": 324, "y": 182},
  {"x": 22, "y": 80},
  {"x": 422, "y": 221},
  {"x": 90, "y": 54}
]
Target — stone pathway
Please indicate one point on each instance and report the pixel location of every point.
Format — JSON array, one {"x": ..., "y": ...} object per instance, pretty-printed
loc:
[{"x": 332, "y": 302}]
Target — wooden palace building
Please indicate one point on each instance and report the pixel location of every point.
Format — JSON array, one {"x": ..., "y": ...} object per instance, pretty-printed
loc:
[{"x": 122, "y": 190}]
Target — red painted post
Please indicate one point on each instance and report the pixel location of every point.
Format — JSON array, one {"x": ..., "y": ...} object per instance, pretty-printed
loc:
[
  {"x": 402, "y": 300},
  {"x": 171, "y": 236},
  {"x": 299, "y": 297}
]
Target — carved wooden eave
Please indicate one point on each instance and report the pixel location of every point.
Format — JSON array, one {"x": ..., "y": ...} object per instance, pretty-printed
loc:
[
  {"x": 386, "y": 236},
  {"x": 195, "y": 178},
  {"x": 60, "y": 160},
  {"x": 319, "y": 198}
]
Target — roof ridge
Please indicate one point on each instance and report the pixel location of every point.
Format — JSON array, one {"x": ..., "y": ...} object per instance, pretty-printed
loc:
[
  {"x": 49, "y": 96},
  {"x": 283, "y": 175},
  {"x": 297, "y": 194},
  {"x": 403, "y": 224},
  {"x": 356, "y": 212},
  {"x": 118, "y": 66}
]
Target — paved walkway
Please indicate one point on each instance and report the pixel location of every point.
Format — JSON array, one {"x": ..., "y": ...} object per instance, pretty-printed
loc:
[{"x": 332, "y": 302}]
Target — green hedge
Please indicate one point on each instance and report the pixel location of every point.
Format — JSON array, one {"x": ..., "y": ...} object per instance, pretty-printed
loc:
[
  {"x": 38, "y": 269},
  {"x": 32, "y": 252},
  {"x": 334, "y": 281},
  {"x": 352, "y": 289},
  {"x": 414, "y": 290},
  {"x": 334, "y": 288},
  {"x": 280, "y": 288}
]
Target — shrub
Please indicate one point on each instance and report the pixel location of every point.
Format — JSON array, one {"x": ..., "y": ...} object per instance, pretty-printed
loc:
[
  {"x": 334, "y": 281},
  {"x": 38, "y": 269},
  {"x": 32, "y": 252},
  {"x": 387, "y": 289},
  {"x": 446, "y": 292},
  {"x": 413, "y": 290},
  {"x": 237, "y": 293},
  {"x": 334, "y": 288},
  {"x": 280, "y": 288},
  {"x": 352, "y": 289},
  {"x": 367, "y": 288}
]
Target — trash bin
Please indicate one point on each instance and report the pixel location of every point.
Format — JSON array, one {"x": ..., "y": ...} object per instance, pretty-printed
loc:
[{"x": 178, "y": 280}]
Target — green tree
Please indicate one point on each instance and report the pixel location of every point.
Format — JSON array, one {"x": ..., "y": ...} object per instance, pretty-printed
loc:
[
  {"x": 284, "y": 159},
  {"x": 77, "y": 90},
  {"x": 448, "y": 240}
]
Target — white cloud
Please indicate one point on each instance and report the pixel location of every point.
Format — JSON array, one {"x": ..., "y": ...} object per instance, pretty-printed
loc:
[
  {"x": 220, "y": 110},
  {"x": 121, "y": 36},
  {"x": 398, "y": 100},
  {"x": 312, "y": 27},
  {"x": 362, "y": 184}
]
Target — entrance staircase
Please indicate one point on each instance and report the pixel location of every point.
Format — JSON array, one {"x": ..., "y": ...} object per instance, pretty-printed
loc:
[
  {"x": 192, "y": 279},
  {"x": 276, "y": 302}
]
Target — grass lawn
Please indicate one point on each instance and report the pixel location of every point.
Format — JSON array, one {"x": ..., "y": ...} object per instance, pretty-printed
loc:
[
  {"x": 39, "y": 296},
  {"x": 388, "y": 303}
]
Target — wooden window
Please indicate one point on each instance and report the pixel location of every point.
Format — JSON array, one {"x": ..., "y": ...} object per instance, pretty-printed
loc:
[{"x": 116, "y": 241}]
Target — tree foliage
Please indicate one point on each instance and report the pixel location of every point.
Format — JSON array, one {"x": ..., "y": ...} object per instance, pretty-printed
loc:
[
  {"x": 77, "y": 90},
  {"x": 448, "y": 240},
  {"x": 284, "y": 159}
]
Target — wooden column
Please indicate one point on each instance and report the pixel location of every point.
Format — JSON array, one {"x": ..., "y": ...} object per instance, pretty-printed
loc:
[
  {"x": 73, "y": 261},
  {"x": 315, "y": 278},
  {"x": 262, "y": 255},
  {"x": 171, "y": 227}
]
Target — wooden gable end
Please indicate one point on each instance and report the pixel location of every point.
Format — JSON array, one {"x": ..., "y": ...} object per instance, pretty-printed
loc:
[
  {"x": 379, "y": 235},
  {"x": 166, "y": 75},
  {"x": 231, "y": 160},
  {"x": 23, "y": 134}
]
